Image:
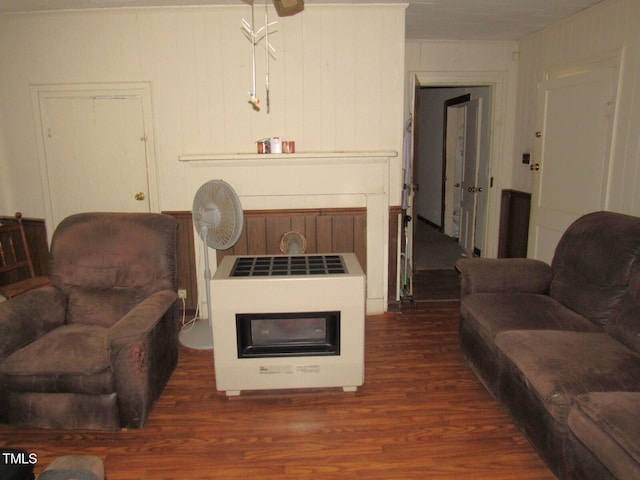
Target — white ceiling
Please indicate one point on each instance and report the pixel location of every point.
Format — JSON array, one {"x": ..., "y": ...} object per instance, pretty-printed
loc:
[{"x": 426, "y": 19}]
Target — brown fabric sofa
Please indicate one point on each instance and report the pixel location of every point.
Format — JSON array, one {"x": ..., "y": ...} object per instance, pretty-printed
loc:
[
  {"x": 559, "y": 345},
  {"x": 94, "y": 349}
]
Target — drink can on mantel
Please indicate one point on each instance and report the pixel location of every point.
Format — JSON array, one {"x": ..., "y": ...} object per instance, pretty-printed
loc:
[
  {"x": 276, "y": 145},
  {"x": 264, "y": 145}
]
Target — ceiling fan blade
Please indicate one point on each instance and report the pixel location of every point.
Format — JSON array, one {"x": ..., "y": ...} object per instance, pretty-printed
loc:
[{"x": 286, "y": 8}]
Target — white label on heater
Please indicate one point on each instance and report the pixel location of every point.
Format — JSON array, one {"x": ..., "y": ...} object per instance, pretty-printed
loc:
[
  {"x": 276, "y": 369},
  {"x": 308, "y": 369}
]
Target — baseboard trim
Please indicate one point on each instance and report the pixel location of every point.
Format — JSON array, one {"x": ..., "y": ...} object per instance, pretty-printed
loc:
[{"x": 429, "y": 222}]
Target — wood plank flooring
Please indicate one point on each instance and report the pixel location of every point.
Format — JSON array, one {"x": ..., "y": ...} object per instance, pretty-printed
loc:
[
  {"x": 420, "y": 415},
  {"x": 436, "y": 285}
]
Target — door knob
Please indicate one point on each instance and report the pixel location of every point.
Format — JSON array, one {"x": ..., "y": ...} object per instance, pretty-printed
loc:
[
  {"x": 139, "y": 196},
  {"x": 535, "y": 167}
]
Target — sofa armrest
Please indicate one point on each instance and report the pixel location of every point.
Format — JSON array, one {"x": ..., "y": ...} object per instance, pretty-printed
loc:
[
  {"x": 27, "y": 317},
  {"x": 503, "y": 275}
]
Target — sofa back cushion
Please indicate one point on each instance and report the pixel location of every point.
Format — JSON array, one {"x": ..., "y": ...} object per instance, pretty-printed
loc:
[
  {"x": 106, "y": 263},
  {"x": 593, "y": 262},
  {"x": 624, "y": 324}
]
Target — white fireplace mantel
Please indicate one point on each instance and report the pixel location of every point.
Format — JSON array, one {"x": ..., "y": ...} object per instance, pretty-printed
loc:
[
  {"x": 312, "y": 180},
  {"x": 287, "y": 157}
]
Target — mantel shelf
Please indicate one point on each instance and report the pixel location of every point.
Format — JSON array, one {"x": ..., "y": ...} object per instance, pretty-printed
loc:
[{"x": 292, "y": 157}]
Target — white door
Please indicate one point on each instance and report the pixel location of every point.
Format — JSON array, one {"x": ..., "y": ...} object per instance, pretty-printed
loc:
[
  {"x": 571, "y": 161},
  {"x": 469, "y": 177},
  {"x": 454, "y": 154},
  {"x": 95, "y": 153}
]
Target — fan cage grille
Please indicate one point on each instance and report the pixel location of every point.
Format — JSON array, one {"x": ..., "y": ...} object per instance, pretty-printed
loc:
[{"x": 217, "y": 214}]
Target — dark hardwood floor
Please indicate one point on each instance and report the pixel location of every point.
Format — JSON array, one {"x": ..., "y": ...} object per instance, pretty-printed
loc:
[
  {"x": 436, "y": 285},
  {"x": 421, "y": 414}
]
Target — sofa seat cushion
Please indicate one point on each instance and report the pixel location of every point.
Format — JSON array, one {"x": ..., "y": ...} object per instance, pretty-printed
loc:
[
  {"x": 608, "y": 424},
  {"x": 68, "y": 359},
  {"x": 557, "y": 366},
  {"x": 491, "y": 313}
]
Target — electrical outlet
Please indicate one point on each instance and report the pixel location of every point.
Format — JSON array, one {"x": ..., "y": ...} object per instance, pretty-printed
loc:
[{"x": 182, "y": 293}]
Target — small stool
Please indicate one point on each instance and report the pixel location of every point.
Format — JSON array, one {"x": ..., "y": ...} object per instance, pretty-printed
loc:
[{"x": 74, "y": 467}]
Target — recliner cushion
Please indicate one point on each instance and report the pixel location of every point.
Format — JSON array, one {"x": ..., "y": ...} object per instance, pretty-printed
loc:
[
  {"x": 624, "y": 325},
  {"x": 100, "y": 307},
  {"x": 557, "y": 365},
  {"x": 106, "y": 263},
  {"x": 69, "y": 359},
  {"x": 608, "y": 424}
]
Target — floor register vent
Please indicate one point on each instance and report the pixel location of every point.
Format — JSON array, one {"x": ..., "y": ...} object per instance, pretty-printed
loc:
[{"x": 288, "y": 265}]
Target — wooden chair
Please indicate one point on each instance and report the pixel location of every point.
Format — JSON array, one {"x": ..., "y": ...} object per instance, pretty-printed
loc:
[{"x": 15, "y": 261}]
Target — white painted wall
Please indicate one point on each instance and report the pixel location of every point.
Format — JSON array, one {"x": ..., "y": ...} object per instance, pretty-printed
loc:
[
  {"x": 608, "y": 28},
  {"x": 429, "y": 131},
  {"x": 336, "y": 84}
]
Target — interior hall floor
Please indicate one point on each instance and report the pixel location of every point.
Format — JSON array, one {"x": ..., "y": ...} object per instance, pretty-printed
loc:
[
  {"x": 435, "y": 255},
  {"x": 421, "y": 414}
]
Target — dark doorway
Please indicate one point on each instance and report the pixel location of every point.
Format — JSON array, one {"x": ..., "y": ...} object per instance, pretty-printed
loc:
[{"x": 436, "y": 249}]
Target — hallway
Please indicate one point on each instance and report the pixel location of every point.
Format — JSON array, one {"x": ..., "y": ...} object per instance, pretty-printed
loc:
[
  {"x": 434, "y": 250},
  {"x": 435, "y": 255}
]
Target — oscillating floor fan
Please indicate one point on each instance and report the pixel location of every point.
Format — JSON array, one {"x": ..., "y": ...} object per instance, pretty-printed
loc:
[{"x": 218, "y": 220}]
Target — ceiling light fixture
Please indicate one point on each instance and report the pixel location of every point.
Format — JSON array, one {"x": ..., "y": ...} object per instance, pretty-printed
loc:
[{"x": 286, "y": 8}]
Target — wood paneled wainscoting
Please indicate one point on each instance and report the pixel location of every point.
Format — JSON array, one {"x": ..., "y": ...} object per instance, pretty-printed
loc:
[
  {"x": 327, "y": 230},
  {"x": 396, "y": 241},
  {"x": 186, "y": 258}
]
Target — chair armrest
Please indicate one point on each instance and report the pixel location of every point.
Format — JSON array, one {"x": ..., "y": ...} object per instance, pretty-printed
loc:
[
  {"x": 141, "y": 319},
  {"x": 144, "y": 353},
  {"x": 27, "y": 317},
  {"x": 503, "y": 275}
]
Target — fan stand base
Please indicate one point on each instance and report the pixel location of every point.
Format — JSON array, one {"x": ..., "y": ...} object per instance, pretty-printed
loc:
[{"x": 197, "y": 336}]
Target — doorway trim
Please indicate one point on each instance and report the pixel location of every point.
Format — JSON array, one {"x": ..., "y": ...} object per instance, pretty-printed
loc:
[
  {"x": 142, "y": 90},
  {"x": 497, "y": 155}
]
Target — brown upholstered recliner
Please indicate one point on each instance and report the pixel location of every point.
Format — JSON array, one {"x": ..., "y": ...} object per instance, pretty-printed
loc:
[{"x": 94, "y": 349}]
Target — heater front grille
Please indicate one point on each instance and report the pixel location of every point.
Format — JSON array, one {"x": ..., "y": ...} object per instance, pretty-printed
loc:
[{"x": 284, "y": 265}]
